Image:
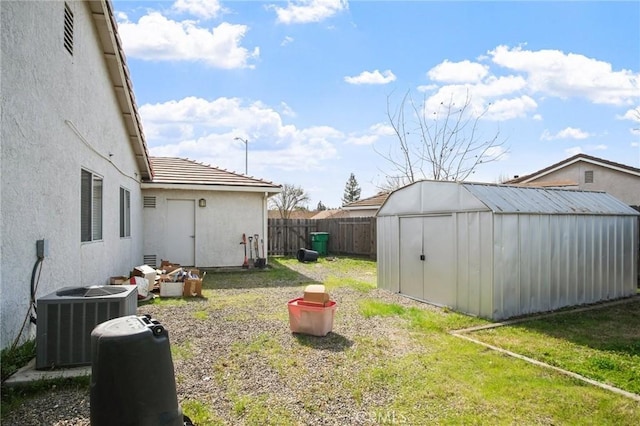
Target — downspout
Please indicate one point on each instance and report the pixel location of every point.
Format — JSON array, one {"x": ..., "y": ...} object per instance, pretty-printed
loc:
[{"x": 265, "y": 228}]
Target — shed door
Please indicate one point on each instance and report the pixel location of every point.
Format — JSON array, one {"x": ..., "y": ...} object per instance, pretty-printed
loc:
[
  {"x": 180, "y": 233},
  {"x": 426, "y": 259},
  {"x": 411, "y": 268}
]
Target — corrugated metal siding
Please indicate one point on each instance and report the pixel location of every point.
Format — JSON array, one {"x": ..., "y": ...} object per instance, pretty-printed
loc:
[
  {"x": 546, "y": 262},
  {"x": 573, "y": 248},
  {"x": 474, "y": 252},
  {"x": 514, "y": 199},
  {"x": 388, "y": 249}
]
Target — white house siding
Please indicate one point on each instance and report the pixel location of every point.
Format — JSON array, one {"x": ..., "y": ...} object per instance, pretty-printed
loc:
[
  {"x": 59, "y": 115},
  {"x": 218, "y": 226}
]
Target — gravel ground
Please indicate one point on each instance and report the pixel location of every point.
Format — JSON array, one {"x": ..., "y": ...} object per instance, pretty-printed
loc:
[{"x": 234, "y": 348}]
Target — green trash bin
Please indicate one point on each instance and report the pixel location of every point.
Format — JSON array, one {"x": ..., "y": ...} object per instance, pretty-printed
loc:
[{"x": 319, "y": 242}]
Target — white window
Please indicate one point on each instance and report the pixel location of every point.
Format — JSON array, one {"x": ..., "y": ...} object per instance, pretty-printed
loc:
[
  {"x": 90, "y": 206},
  {"x": 125, "y": 213}
]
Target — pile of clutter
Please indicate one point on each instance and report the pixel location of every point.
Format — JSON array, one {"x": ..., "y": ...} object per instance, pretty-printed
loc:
[{"x": 170, "y": 280}]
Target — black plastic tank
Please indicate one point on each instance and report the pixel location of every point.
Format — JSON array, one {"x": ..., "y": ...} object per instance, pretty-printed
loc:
[
  {"x": 132, "y": 377},
  {"x": 305, "y": 255}
]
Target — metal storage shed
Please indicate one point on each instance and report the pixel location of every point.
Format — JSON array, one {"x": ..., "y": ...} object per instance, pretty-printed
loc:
[{"x": 499, "y": 251}]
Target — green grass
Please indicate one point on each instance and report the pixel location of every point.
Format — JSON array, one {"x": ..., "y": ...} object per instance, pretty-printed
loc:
[
  {"x": 602, "y": 344},
  {"x": 182, "y": 351},
  {"x": 403, "y": 366},
  {"x": 11, "y": 360},
  {"x": 419, "y": 319},
  {"x": 333, "y": 282},
  {"x": 200, "y": 413}
]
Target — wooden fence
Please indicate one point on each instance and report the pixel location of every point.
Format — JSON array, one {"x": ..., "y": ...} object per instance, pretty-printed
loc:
[{"x": 351, "y": 236}]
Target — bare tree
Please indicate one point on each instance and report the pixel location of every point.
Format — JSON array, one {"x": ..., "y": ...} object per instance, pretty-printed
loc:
[
  {"x": 445, "y": 144},
  {"x": 291, "y": 198}
]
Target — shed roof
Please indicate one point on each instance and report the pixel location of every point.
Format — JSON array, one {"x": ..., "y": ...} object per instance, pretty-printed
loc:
[
  {"x": 182, "y": 173},
  {"x": 426, "y": 197},
  {"x": 517, "y": 199}
]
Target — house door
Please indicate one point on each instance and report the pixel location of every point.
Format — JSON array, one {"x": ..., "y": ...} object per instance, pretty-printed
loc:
[
  {"x": 427, "y": 264},
  {"x": 180, "y": 234}
]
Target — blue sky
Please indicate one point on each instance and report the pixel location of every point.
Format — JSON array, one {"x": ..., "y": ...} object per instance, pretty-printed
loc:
[{"x": 307, "y": 83}]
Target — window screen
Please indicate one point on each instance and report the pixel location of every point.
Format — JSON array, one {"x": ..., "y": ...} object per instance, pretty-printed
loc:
[
  {"x": 90, "y": 206},
  {"x": 125, "y": 213}
]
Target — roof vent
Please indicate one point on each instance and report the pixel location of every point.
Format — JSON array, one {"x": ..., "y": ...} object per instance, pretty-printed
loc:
[{"x": 149, "y": 202}]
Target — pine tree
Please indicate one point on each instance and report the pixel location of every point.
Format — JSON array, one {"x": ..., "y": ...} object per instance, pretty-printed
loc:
[
  {"x": 321, "y": 206},
  {"x": 351, "y": 190}
]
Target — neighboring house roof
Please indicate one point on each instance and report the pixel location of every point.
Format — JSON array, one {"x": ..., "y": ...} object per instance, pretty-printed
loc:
[
  {"x": 369, "y": 203},
  {"x": 182, "y": 173},
  {"x": 119, "y": 73},
  {"x": 326, "y": 214},
  {"x": 295, "y": 214},
  {"x": 571, "y": 160}
]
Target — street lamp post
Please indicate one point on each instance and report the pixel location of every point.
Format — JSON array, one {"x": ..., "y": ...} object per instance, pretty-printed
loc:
[{"x": 246, "y": 154}]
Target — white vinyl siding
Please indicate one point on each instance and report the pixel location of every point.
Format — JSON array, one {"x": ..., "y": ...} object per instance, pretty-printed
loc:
[
  {"x": 90, "y": 207},
  {"x": 125, "y": 213}
]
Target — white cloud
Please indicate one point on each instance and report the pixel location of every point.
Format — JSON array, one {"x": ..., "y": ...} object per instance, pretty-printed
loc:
[
  {"x": 598, "y": 147},
  {"x": 287, "y": 110},
  {"x": 568, "y": 133},
  {"x": 156, "y": 38},
  {"x": 555, "y": 73},
  {"x": 286, "y": 41},
  {"x": 491, "y": 97},
  {"x": 496, "y": 153},
  {"x": 506, "y": 109},
  {"x": 458, "y": 72},
  {"x": 374, "y": 133},
  {"x": 307, "y": 11},
  {"x": 632, "y": 114},
  {"x": 573, "y": 151},
  {"x": 537, "y": 117},
  {"x": 205, "y": 129},
  {"x": 371, "y": 77},
  {"x": 427, "y": 87},
  {"x": 635, "y": 144},
  {"x": 205, "y": 9}
]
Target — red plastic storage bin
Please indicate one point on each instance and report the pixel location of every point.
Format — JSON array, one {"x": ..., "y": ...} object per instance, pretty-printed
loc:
[{"x": 313, "y": 320}]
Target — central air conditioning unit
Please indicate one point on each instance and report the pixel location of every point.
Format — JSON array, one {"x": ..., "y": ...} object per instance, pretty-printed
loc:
[{"x": 67, "y": 317}]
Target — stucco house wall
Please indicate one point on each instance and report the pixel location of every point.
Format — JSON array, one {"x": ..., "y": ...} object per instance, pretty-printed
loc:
[
  {"x": 624, "y": 186},
  {"x": 59, "y": 116},
  {"x": 588, "y": 173},
  {"x": 218, "y": 226}
]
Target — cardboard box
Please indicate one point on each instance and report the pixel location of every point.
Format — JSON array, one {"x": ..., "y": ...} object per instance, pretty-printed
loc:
[
  {"x": 145, "y": 271},
  {"x": 171, "y": 289},
  {"x": 192, "y": 287},
  {"x": 168, "y": 266},
  {"x": 120, "y": 280},
  {"x": 315, "y": 293}
]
